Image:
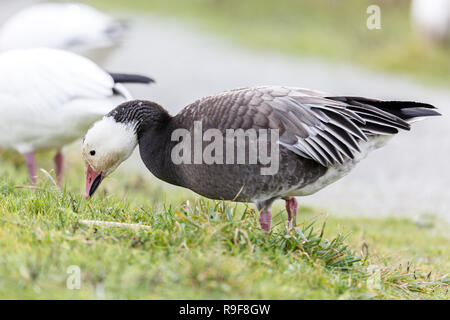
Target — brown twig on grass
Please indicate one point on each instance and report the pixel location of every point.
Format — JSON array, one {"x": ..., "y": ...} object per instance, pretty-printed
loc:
[
  {"x": 114, "y": 224},
  {"x": 28, "y": 187}
]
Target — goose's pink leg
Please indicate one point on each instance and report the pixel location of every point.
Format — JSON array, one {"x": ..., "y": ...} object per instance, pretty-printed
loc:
[
  {"x": 264, "y": 218},
  {"x": 291, "y": 208},
  {"x": 59, "y": 166},
  {"x": 31, "y": 164}
]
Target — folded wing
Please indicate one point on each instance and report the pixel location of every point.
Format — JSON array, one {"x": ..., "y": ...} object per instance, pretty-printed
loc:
[{"x": 327, "y": 129}]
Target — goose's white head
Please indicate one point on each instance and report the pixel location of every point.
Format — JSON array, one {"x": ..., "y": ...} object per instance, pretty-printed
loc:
[{"x": 105, "y": 146}]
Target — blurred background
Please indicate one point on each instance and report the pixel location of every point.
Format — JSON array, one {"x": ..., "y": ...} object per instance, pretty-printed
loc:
[{"x": 201, "y": 47}]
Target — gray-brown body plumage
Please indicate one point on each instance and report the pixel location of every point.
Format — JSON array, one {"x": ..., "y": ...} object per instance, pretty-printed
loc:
[{"x": 321, "y": 138}]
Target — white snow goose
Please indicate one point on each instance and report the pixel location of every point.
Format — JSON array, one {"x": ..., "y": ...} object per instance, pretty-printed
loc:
[
  {"x": 49, "y": 98},
  {"x": 432, "y": 19},
  {"x": 319, "y": 138},
  {"x": 68, "y": 26}
]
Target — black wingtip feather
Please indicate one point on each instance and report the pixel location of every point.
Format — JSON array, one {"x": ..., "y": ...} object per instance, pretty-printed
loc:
[
  {"x": 130, "y": 78},
  {"x": 418, "y": 112},
  {"x": 405, "y": 110}
]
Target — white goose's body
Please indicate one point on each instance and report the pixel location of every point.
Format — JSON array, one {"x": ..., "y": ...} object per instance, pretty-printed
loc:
[
  {"x": 49, "y": 98},
  {"x": 432, "y": 17},
  {"x": 69, "y": 26}
]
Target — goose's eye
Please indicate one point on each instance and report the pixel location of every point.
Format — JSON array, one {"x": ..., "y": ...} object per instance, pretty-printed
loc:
[{"x": 92, "y": 152}]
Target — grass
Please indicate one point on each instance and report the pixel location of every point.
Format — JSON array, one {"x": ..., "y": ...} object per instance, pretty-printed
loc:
[
  {"x": 334, "y": 30},
  {"x": 196, "y": 248}
]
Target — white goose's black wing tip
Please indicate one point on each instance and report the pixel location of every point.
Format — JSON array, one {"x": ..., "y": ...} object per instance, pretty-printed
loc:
[{"x": 130, "y": 78}]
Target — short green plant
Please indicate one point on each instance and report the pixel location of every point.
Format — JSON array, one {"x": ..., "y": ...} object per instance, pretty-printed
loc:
[{"x": 192, "y": 247}]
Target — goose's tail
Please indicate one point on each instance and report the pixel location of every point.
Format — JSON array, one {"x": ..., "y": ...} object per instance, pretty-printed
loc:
[{"x": 408, "y": 111}]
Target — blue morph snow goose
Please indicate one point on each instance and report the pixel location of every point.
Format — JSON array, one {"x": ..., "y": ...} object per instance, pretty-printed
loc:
[
  {"x": 68, "y": 26},
  {"x": 49, "y": 98},
  {"x": 321, "y": 137}
]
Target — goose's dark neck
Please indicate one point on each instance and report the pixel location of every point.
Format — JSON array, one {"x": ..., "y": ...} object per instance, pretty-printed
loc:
[
  {"x": 151, "y": 123},
  {"x": 155, "y": 149}
]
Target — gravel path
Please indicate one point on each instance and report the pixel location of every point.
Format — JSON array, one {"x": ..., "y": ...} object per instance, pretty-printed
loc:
[{"x": 409, "y": 176}]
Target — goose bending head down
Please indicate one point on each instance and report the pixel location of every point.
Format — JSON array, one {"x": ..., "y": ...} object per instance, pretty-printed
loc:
[
  {"x": 49, "y": 98},
  {"x": 253, "y": 144},
  {"x": 75, "y": 27}
]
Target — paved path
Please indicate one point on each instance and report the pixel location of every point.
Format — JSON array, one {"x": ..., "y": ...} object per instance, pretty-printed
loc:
[{"x": 411, "y": 175}]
